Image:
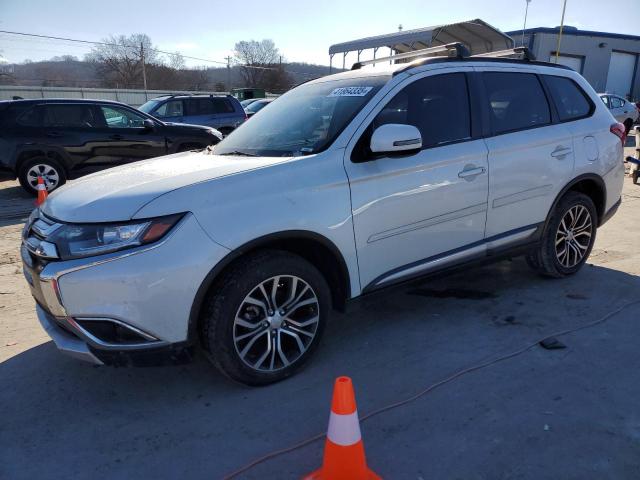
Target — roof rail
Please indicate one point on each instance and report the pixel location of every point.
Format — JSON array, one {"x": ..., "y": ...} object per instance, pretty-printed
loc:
[
  {"x": 517, "y": 53},
  {"x": 451, "y": 50}
]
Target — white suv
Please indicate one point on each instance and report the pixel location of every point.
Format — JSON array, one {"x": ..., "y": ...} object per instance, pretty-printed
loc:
[{"x": 343, "y": 186}]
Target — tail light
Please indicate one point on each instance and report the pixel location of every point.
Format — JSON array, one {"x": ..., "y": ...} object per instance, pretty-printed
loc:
[{"x": 619, "y": 131}]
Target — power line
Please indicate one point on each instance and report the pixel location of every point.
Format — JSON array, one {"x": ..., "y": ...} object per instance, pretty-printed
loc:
[
  {"x": 137, "y": 47},
  {"x": 107, "y": 44}
]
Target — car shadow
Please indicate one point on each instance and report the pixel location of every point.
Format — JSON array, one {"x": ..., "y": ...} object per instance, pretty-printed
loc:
[{"x": 81, "y": 421}]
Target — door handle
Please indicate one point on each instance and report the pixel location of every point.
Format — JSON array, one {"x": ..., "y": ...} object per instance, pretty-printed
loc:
[
  {"x": 54, "y": 135},
  {"x": 471, "y": 171},
  {"x": 561, "y": 152},
  {"x": 116, "y": 137}
]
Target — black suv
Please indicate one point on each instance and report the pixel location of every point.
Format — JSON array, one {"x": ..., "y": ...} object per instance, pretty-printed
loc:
[{"x": 58, "y": 138}]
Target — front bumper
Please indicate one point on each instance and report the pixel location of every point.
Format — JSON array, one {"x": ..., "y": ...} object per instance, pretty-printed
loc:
[
  {"x": 66, "y": 342},
  {"x": 117, "y": 307}
]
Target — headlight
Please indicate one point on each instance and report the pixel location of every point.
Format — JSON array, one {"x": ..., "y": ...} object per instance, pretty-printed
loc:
[{"x": 77, "y": 241}]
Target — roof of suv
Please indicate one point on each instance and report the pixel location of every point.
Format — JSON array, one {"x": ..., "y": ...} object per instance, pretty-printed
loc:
[
  {"x": 195, "y": 95},
  {"x": 61, "y": 100}
]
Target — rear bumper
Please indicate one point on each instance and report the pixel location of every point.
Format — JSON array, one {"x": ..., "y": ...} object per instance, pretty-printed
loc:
[{"x": 612, "y": 211}]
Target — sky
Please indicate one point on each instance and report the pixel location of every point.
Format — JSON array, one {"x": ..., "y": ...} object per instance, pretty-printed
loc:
[{"x": 302, "y": 30}]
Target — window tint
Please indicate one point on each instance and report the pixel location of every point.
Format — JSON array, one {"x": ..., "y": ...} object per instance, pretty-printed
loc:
[
  {"x": 117, "y": 117},
  {"x": 516, "y": 101},
  {"x": 222, "y": 105},
  {"x": 172, "y": 108},
  {"x": 199, "y": 106},
  {"x": 568, "y": 97},
  {"x": 438, "y": 106},
  {"x": 32, "y": 117},
  {"x": 70, "y": 115},
  {"x": 616, "y": 102}
]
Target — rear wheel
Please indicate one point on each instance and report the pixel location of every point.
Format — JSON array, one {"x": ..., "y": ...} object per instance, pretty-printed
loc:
[
  {"x": 568, "y": 237},
  {"x": 52, "y": 173},
  {"x": 265, "y": 317},
  {"x": 628, "y": 123}
]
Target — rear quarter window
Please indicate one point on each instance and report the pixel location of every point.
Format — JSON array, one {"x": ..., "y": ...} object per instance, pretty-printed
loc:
[
  {"x": 222, "y": 105},
  {"x": 570, "y": 100}
]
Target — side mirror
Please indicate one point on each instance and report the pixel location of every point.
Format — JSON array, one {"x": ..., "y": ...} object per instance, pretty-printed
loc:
[
  {"x": 395, "y": 138},
  {"x": 148, "y": 124}
]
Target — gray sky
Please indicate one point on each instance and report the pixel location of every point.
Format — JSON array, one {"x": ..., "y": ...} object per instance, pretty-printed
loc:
[{"x": 303, "y": 30}]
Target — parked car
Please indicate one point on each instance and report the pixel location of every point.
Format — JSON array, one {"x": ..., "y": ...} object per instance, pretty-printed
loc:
[
  {"x": 248, "y": 101},
  {"x": 624, "y": 111},
  {"x": 255, "y": 107},
  {"x": 222, "y": 112},
  {"x": 346, "y": 185},
  {"x": 57, "y": 138}
]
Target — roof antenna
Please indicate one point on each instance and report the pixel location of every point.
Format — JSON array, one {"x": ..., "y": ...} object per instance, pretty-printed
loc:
[{"x": 400, "y": 27}]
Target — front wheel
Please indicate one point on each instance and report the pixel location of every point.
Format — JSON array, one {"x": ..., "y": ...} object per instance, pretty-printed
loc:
[
  {"x": 265, "y": 317},
  {"x": 568, "y": 237}
]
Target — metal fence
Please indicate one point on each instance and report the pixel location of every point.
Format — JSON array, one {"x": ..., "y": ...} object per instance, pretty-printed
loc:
[{"x": 134, "y": 98}]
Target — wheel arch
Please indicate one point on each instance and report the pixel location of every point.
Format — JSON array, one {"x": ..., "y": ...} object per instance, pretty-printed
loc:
[
  {"x": 27, "y": 153},
  {"x": 313, "y": 247},
  {"x": 591, "y": 185}
]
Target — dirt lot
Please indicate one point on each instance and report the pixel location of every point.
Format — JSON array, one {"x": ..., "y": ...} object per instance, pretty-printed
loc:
[{"x": 546, "y": 414}]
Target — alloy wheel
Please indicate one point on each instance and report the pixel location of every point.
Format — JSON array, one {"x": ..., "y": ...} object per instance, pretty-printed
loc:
[
  {"x": 49, "y": 175},
  {"x": 276, "y": 323},
  {"x": 573, "y": 236}
]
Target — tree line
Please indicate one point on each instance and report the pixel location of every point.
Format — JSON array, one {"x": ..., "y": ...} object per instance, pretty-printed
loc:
[{"x": 133, "y": 62}]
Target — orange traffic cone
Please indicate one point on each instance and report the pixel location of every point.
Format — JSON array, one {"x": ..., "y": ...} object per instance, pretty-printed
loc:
[
  {"x": 42, "y": 192},
  {"x": 344, "y": 451}
]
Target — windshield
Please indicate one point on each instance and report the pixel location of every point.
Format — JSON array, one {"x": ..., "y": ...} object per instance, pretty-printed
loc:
[
  {"x": 305, "y": 120},
  {"x": 149, "y": 106}
]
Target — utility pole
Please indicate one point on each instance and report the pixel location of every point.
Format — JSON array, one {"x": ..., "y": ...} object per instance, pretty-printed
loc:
[
  {"x": 228, "y": 59},
  {"x": 144, "y": 72},
  {"x": 524, "y": 27},
  {"x": 564, "y": 7}
]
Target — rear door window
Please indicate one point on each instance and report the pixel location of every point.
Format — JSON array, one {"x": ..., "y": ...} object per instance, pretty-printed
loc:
[
  {"x": 75, "y": 115},
  {"x": 199, "y": 106},
  {"x": 570, "y": 100},
  {"x": 31, "y": 117},
  {"x": 516, "y": 101},
  {"x": 438, "y": 106}
]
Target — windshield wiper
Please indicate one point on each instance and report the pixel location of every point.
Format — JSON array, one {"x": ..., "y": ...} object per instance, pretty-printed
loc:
[{"x": 239, "y": 153}]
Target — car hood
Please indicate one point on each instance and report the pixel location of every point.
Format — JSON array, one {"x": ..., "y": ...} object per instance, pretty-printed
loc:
[{"x": 118, "y": 193}]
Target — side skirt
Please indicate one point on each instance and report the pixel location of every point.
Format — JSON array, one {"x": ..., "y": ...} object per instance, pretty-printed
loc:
[{"x": 510, "y": 244}]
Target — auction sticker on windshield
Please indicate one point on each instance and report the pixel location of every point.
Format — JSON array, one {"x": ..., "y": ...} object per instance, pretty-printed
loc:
[{"x": 350, "y": 92}]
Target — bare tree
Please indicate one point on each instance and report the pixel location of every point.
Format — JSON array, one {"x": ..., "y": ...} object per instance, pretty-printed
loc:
[
  {"x": 120, "y": 58},
  {"x": 256, "y": 59},
  {"x": 176, "y": 61}
]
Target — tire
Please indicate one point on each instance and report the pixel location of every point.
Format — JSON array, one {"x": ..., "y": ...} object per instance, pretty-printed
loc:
[
  {"x": 561, "y": 254},
  {"x": 628, "y": 124},
  {"x": 237, "y": 314},
  {"x": 187, "y": 147},
  {"x": 53, "y": 172}
]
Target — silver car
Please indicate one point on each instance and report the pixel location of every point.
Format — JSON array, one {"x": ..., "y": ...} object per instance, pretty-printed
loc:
[
  {"x": 346, "y": 185},
  {"x": 622, "y": 110}
]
